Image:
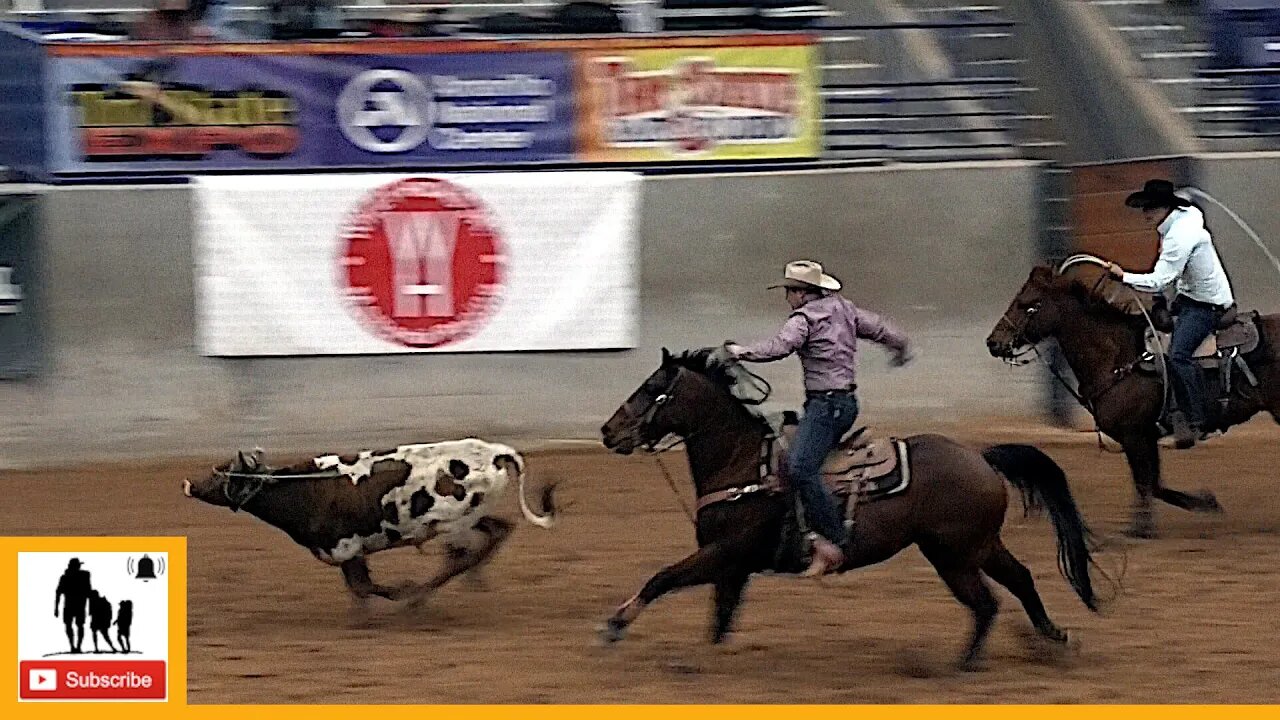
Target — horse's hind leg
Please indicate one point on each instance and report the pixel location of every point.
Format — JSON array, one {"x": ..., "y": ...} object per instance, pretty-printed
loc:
[
  {"x": 1005, "y": 569},
  {"x": 356, "y": 574},
  {"x": 965, "y": 581}
]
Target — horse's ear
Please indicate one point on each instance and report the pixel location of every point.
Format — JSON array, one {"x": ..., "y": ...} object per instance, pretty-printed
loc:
[
  {"x": 1042, "y": 275},
  {"x": 241, "y": 462},
  {"x": 666, "y": 357}
]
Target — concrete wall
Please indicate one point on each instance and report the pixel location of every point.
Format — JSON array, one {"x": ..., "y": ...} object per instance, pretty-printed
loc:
[
  {"x": 1248, "y": 184},
  {"x": 941, "y": 249}
]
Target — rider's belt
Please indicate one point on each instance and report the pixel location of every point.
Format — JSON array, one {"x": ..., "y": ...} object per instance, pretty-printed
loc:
[
  {"x": 1184, "y": 300},
  {"x": 828, "y": 393}
]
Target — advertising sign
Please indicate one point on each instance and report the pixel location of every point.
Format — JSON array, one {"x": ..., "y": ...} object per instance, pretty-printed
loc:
[
  {"x": 717, "y": 103},
  {"x": 367, "y": 264},
  {"x": 246, "y": 112}
]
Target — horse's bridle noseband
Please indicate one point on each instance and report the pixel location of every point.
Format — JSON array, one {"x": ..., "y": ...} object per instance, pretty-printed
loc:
[{"x": 1019, "y": 337}]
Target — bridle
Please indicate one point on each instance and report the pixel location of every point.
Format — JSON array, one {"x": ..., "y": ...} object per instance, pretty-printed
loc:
[
  {"x": 1024, "y": 346},
  {"x": 769, "y": 481},
  {"x": 1118, "y": 374}
]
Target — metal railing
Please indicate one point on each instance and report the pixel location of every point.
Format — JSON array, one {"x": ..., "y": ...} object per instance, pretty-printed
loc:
[
  {"x": 928, "y": 90},
  {"x": 1231, "y": 108}
]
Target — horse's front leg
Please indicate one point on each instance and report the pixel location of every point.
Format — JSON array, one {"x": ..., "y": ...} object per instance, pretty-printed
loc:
[
  {"x": 1143, "y": 454},
  {"x": 707, "y": 565}
]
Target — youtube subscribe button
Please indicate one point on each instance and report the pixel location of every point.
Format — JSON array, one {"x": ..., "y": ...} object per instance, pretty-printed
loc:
[{"x": 92, "y": 680}]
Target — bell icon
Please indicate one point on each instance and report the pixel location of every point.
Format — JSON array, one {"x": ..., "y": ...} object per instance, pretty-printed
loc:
[{"x": 146, "y": 569}]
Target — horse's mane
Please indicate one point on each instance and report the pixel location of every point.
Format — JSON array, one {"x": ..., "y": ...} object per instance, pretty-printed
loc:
[
  {"x": 1087, "y": 275},
  {"x": 726, "y": 375},
  {"x": 705, "y": 362}
]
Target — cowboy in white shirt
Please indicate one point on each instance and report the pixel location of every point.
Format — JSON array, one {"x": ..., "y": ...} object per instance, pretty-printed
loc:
[{"x": 1187, "y": 255}]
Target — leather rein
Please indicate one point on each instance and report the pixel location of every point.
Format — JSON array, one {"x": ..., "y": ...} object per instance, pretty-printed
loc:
[{"x": 768, "y": 483}]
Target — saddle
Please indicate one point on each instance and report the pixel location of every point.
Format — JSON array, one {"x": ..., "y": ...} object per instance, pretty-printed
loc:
[
  {"x": 1221, "y": 355},
  {"x": 860, "y": 468},
  {"x": 1236, "y": 334}
]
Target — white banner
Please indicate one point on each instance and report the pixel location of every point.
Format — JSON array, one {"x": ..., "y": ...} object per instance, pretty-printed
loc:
[{"x": 358, "y": 264}]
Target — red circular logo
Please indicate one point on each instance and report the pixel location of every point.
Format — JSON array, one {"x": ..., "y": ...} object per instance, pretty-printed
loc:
[{"x": 422, "y": 262}]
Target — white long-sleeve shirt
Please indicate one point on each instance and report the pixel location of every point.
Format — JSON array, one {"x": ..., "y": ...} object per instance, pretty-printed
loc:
[{"x": 1188, "y": 256}]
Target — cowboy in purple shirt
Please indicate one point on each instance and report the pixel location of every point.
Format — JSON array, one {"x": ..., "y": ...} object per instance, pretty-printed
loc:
[{"x": 823, "y": 329}]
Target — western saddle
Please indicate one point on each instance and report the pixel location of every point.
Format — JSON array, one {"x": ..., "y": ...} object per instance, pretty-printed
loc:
[
  {"x": 859, "y": 466},
  {"x": 1235, "y": 336}
]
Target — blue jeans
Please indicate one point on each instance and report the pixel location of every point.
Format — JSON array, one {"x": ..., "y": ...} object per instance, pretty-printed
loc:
[
  {"x": 1191, "y": 326},
  {"x": 826, "y": 418}
]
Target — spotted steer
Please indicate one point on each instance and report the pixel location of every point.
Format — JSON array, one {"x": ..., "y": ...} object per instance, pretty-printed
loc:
[{"x": 343, "y": 508}]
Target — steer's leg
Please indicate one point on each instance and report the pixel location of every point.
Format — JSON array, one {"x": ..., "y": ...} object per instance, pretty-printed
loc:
[
  {"x": 465, "y": 551},
  {"x": 356, "y": 574}
]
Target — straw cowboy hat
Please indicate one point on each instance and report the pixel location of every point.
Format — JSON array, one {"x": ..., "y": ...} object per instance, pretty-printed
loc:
[{"x": 806, "y": 274}]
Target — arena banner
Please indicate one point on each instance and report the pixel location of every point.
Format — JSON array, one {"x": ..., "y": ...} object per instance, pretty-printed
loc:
[
  {"x": 20, "y": 340},
  {"x": 364, "y": 264},
  {"x": 127, "y": 115},
  {"x": 22, "y": 95},
  {"x": 689, "y": 104}
]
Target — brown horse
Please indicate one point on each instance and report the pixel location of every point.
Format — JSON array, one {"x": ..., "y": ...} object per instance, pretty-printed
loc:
[
  {"x": 1102, "y": 341},
  {"x": 952, "y": 509}
]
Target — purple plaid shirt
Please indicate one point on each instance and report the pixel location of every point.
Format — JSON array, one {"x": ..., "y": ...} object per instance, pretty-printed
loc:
[{"x": 825, "y": 332}]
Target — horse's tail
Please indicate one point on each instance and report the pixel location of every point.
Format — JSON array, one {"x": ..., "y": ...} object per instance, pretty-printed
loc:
[
  {"x": 548, "y": 517},
  {"x": 1044, "y": 487}
]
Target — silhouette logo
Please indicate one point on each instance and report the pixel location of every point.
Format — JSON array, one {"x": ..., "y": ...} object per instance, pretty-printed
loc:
[{"x": 88, "y": 645}]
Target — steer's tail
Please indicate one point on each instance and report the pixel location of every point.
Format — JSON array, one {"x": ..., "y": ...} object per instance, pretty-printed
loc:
[{"x": 548, "y": 517}]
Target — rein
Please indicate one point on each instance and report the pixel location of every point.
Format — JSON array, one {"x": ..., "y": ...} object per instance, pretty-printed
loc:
[
  {"x": 769, "y": 482},
  {"x": 1118, "y": 374}
]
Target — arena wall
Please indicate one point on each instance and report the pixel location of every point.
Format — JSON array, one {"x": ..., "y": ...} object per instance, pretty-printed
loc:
[
  {"x": 1248, "y": 184},
  {"x": 940, "y": 249}
]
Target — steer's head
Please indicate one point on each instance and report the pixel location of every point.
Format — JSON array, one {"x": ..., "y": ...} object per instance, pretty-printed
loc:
[{"x": 230, "y": 484}]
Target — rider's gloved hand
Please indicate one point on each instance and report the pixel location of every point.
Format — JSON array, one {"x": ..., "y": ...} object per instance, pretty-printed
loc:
[{"x": 900, "y": 358}]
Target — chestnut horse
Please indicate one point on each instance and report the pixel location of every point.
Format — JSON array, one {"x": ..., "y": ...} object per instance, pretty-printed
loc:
[
  {"x": 952, "y": 509},
  {"x": 1102, "y": 343}
]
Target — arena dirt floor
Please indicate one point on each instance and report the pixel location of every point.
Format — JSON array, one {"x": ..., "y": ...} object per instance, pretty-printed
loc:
[{"x": 269, "y": 624}]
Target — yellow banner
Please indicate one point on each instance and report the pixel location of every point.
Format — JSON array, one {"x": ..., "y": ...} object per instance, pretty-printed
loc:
[{"x": 691, "y": 104}]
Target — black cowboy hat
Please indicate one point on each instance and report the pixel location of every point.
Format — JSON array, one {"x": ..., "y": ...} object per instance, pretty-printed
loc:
[{"x": 1156, "y": 194}]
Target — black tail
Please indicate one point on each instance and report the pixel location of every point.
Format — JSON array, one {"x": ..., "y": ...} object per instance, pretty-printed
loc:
[{"x": 1044, "y": 487}]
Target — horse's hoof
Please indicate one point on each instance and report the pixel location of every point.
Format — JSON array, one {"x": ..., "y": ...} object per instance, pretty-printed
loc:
[
  {"x": 1141, "y": 532},
  {"x": 971, "y": 664},
  {"x": 1054, "y": 635},
  {"x": 612, "y": 631},
  {"x": 1208, "y": 502}
]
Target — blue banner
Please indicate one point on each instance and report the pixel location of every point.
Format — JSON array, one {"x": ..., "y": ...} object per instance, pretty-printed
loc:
[
  {"x": 187, "y": 114},
  {"x": 22, "y": 102}
]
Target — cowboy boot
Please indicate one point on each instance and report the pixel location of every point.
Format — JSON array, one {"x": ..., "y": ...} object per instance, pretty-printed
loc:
[
  {"x": 1185, "y": 434},
  {"x": 827, "y": 557}
]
